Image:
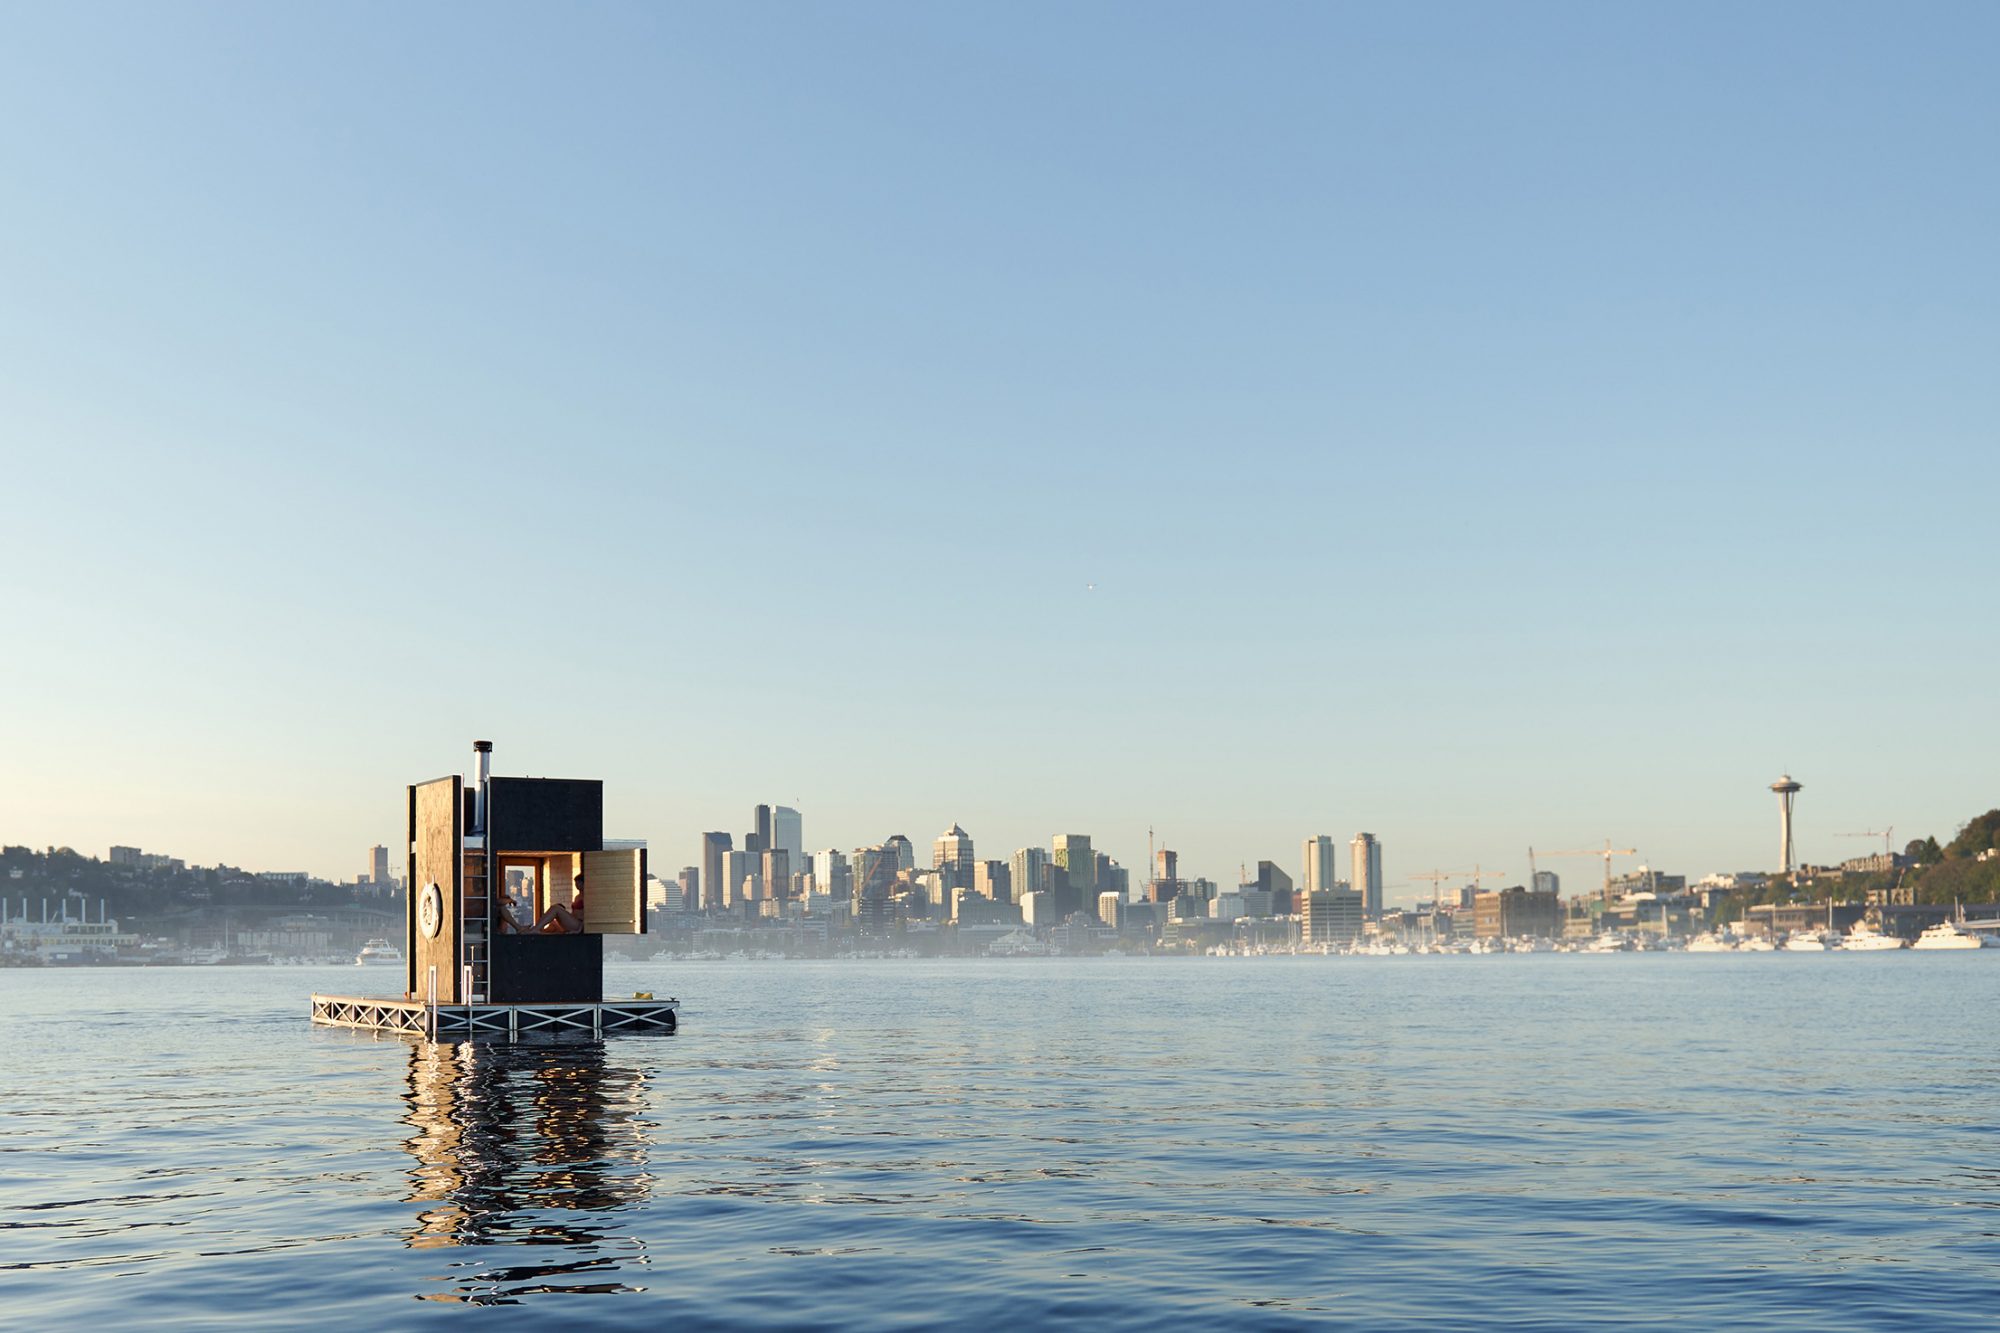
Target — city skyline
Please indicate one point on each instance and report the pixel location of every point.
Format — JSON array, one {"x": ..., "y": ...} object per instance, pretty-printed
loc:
[{"x": 1243, "y": 429}]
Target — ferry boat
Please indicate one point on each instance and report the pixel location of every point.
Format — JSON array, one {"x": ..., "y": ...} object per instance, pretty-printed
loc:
[
  {"x": 1948, "y": 935},
  {"x": 378, "y": 953}
]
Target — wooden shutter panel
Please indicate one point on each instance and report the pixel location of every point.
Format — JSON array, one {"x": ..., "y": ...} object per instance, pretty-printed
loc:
[{"x": 614, "y": 892}]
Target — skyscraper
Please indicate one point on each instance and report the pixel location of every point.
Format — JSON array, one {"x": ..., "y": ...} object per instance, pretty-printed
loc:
[
  {"x": 1319, "y": 874},
  {"x": 777, "y": 873},
  {"x": 830, "y": 874},
  {"x": 1073, "y": 853},
  {"x": 1029, "y": 872},
  {"x": 788, "y": 832},
  {"x": 714, "y": 882},
  {"x": 952, "y": 854},
  {"x": 759, "y": 837},
  {"x": 874, "y": 872},
  {"x": 993, "y": 879},
  {"x": 733, "y": 871},
  {"x": 1274, "y": 881},
  {"x": 378, "y": 865},
  {"x": 1367, "y": 854},
  {"x": 906, "y": 854}
]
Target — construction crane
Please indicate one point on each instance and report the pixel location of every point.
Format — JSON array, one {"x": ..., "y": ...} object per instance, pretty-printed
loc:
[
  {"x": 1476, "y": 875},
  {"x": 1437, "y": 877},
  {"x": 1887, "y": 835},
  {"x": 1607, "y": 851}
]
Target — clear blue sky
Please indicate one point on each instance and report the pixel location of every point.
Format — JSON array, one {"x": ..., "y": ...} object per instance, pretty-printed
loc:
[{"x": 1484, "y": 424}]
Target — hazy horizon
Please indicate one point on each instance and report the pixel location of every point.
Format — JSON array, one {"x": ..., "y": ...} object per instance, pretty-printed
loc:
[{"x": 1479, "y": 426}]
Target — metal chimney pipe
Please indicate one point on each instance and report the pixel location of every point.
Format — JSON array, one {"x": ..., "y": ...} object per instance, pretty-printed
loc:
[{"x": 482, "y": 770}]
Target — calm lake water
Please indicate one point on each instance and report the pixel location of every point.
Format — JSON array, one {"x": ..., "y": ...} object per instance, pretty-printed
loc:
[{"x": 1765, "y": 1141}]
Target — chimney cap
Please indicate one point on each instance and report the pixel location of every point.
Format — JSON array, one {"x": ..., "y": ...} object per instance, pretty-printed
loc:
[{"x": 482, "y": 747}]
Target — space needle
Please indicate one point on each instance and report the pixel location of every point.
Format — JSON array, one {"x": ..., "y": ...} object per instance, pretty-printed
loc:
[{"x": 1786, "y": 789}]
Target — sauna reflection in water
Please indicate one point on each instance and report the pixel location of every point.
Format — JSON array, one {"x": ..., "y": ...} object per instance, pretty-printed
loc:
[{"x": 532, "y": 1144}]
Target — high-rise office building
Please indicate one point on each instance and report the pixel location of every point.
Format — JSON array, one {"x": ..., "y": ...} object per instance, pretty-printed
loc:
[
  {"x": 378, "y": 865},
  {"x": 689, "y": 881},
  {"x": 1073, "y": 853},
  {"x": 1547, "y": 881},
  {"x": 1329, "y": 916},
  {"x": 1111, "y": 909},
  {"x": 1272, "y": 880},
  {"x": 777, "y": 872},
  {"x": 788, "y": 832},
  {"x": 758, "y": 840},
  {"x": 1320, "y": 871},
  {"x": 1112, "y": 877},
  {"x": 732, "y": 872},
  {"x": 1367, "y": 881},
  {"x": 874, "y": 872},
  {"x": 831, "y": 875},
  {"x": 906, "y": 854},
  {"x": 992, "y": 879},
  {"x": 952, "y": 854},
  {"x": 714, "y": 880},
  {"x": 1028, "y": 871}
]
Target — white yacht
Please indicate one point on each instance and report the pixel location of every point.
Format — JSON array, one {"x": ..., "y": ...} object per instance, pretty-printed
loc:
[
  {"x": 1756, "y": 944},
  {"x": 1948, "y": 935},
  {"x": 1710, "y": 943},
  {"x": 1866, "y": 939},
  {"x": 378, "y": 953},
  {"x": 1810, "y": 941}
]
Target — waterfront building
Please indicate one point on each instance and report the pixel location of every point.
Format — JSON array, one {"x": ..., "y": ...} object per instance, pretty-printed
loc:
[
  {"x": 1330, "y": 917},
  {"x": 1516, "y": 913},
  {"x": 1029, "y": 872},
  {"x": 1366, "y": 863},
  {"x": 714, "y": 846},
  {"x": 1646, "y": 880},
  {"x": 951, "y": 854}
]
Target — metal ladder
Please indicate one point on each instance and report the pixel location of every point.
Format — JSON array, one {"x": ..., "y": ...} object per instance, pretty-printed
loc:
[{"x": 476, "y": 907}]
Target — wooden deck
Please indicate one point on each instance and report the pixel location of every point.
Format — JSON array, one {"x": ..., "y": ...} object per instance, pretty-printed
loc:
[{"x": 376, "y": 1013}]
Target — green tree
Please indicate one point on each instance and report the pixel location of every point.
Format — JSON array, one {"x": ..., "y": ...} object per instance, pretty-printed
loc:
[{"x": 1976, "y": 836}]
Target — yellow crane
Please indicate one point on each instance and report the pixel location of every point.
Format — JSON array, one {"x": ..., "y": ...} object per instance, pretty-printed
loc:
[{"x": 1607, "y": 851}]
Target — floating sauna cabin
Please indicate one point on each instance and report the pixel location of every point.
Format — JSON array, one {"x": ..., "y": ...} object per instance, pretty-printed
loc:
[{"x": 510, "y": 891}]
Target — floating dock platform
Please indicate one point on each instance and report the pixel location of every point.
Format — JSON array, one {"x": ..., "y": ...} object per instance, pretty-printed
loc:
[{"x": 511, "y": 1022}]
